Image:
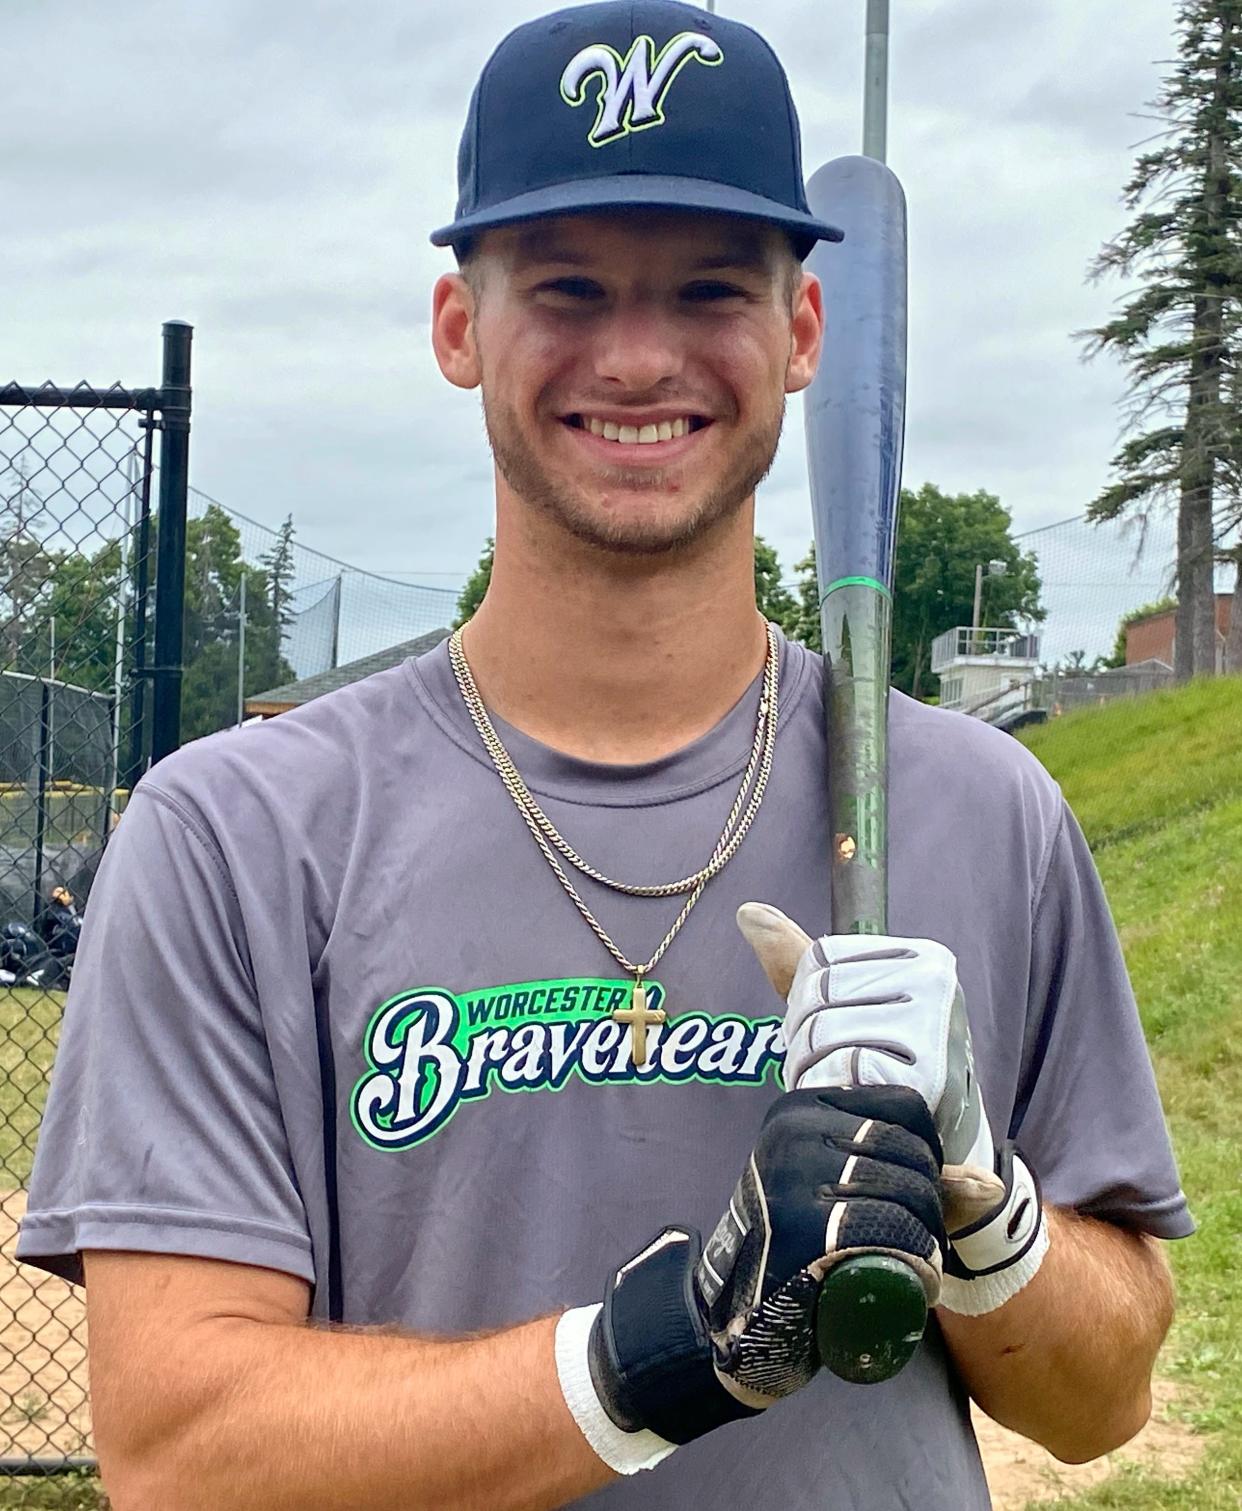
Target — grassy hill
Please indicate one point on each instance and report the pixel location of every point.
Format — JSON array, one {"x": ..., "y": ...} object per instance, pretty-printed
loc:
[{"x": 1157, "y": 785}]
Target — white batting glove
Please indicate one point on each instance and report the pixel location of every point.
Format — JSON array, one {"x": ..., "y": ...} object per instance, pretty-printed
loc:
[{"x": 873, "y": 1010}]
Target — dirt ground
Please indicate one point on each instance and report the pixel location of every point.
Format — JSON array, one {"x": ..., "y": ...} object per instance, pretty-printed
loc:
[
  {"x": 43, "y": 1406},
  {"x": 1019, "y": 1471},
  {"x": 42, "y": 1354}
]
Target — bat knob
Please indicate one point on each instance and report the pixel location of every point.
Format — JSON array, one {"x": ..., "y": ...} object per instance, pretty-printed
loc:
[{"x": 871, "y": 1315}]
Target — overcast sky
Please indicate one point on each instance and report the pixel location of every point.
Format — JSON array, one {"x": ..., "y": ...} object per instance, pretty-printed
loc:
[{"x": 270, "y": 173}]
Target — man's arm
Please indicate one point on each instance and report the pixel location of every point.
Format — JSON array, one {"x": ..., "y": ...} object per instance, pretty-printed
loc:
[
  {"x": 1068, "y": 1360},
  {"x": 209, "y": 1389}
]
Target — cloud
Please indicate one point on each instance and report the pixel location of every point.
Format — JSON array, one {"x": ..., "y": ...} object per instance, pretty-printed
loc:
[{"x": 271, "y": 173}]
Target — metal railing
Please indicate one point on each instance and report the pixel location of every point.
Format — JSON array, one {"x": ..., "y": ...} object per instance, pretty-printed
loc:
[
  {"x": 1057, "y": 693},
  {"x": 964, "y": 641}
]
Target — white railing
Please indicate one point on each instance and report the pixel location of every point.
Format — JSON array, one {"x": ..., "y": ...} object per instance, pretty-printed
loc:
[
  {"x": 995, "y": 644},
  {"x": 995, "y": 701},
  {"x": 1056, "y": 694}
]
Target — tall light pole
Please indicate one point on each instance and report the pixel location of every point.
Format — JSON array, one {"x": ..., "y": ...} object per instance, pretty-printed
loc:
[
  {"x": 993, "y": 569},
  {"x": 875, "y": 94}
]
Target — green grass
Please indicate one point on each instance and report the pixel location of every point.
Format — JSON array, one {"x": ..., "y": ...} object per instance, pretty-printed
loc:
[
  {"x": 1157, "y": 784},
  {"x": 29, "y": 1027},
  {"x": 1138, "y": 763},
  {"x": 67, "y": 816},
  {"x": 69, "y": 1492}
]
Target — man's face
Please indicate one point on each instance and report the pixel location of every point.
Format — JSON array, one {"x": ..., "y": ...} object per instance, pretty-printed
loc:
[{"x": 634, "y": 367}]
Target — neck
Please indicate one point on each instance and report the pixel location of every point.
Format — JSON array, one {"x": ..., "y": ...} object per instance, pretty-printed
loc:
[{"x": 613, "y": 657}]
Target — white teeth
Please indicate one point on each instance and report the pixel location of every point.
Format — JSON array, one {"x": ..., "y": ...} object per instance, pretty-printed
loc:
[{"x": 636, "y": 435}]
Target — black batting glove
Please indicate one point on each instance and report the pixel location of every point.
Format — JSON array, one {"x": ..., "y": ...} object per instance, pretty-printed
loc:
[{"x": 688, "y": 1340}]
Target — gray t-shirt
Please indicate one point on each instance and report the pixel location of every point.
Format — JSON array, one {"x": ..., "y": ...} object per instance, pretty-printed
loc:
[{"x": 333, "y": 1015}]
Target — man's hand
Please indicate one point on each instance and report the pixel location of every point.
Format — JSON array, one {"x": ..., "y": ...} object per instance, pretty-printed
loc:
[
  {"x": 880, "y": 1011},
  {"x": 687, "y": 1340}
]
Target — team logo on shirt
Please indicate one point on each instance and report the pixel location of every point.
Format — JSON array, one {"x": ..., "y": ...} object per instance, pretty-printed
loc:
[
  {"x": 430, "y": 1052},
  {"x": 632, "y": 88}
]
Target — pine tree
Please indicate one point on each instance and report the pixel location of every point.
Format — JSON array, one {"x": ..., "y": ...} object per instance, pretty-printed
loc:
[
  {"x": 279, "y": 566},
  {"x": 1178, "y": 335}
]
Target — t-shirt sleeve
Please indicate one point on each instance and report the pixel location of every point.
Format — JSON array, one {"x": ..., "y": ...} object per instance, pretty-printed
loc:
[
  {"x": 1088, "y": 1115},
  {"x": 163, "y": 1130}
]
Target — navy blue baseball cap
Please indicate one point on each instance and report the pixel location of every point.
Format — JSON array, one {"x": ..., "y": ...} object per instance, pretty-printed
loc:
[{"x": 632, "y": 104}]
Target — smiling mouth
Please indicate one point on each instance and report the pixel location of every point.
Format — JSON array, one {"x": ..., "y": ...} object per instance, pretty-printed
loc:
[{"x": 637, "y": 435}]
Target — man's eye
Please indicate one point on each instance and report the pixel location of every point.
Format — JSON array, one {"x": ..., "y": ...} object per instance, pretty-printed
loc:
[
  {"x": 576, "y": 290},
  {"x": 711, "y": 291}
]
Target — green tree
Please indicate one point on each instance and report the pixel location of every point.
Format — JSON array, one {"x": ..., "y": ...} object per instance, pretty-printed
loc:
[
  {"x": 775, "y": 600},
  {"x": 213, "y": 576},
  {"x": 24, "y": 565},
  {"x": 77, "y": 597},
  {"x": 476, "y": 585},
  {"x": 279, "y": 565},
  {"x": 806, "y": 626},
  {"x": 941, "y": 539},
  {"x": 74, "y": 621},
  {"x": 1178, "y": 335}
]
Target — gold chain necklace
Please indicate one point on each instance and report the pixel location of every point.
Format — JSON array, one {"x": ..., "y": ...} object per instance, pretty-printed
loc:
[{"x": 746, "y": 805}]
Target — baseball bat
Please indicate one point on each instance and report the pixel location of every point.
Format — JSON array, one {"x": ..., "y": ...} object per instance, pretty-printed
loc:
[{"x": 872, "y": 1308}]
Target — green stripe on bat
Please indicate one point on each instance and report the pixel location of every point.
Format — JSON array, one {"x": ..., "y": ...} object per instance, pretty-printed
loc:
[{"x": 849, "y": 582}]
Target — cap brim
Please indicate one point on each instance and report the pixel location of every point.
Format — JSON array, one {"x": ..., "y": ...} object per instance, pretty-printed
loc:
[{"x": 639, "y": 191}]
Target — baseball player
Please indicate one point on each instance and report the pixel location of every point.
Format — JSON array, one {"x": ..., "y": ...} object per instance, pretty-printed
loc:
[{"x": 426, "y": 1130}]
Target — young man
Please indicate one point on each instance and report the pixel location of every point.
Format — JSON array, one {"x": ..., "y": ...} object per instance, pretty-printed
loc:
[{"x": 354, "y": 1130}]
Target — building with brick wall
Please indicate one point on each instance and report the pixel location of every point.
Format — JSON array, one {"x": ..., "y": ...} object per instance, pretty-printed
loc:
[{"x": 1155, "y": 637}]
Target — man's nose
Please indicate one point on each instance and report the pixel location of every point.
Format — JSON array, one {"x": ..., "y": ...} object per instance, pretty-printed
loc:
[{"x": 637, "y": 348}]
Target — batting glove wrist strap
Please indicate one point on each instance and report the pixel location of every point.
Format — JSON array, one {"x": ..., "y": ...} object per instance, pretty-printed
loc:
[
  {"x": 623, "y": 1452},
  {"x": 650, "y": 1354},
  {"x": 991, "y": 1261}
]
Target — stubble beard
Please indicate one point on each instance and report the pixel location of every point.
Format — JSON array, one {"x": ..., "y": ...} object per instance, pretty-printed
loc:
[{"x": 529, "y": 479}]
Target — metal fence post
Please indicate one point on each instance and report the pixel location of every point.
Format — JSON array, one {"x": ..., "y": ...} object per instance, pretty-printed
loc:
[
  {"x": 44, "y": 777},
  {"x": 170, "y": 558},
  {"x": 139, "y": 701}
]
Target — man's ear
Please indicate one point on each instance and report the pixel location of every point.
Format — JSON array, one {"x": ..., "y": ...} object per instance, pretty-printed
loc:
[
  {"x": 452, "y": 331},
  {"x": 806, "y": 334}
]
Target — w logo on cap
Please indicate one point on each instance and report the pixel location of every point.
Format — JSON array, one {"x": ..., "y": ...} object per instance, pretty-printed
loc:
[{"x": 632, "y": 88}]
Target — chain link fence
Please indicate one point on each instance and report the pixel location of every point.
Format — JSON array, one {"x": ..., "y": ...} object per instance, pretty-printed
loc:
[{"x": 89, "y": 692}]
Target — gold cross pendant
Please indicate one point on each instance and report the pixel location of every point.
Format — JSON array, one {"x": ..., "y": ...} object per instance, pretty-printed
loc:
[{"x": 640, "y": 1017}]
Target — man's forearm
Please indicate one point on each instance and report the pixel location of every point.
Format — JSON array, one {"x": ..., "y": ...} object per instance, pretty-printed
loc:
[
  {"x": 274, "y": 1417},
  {"x": 1068, "y": 1360}
]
